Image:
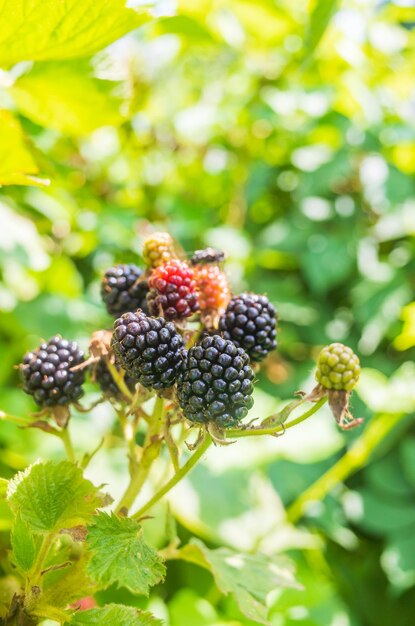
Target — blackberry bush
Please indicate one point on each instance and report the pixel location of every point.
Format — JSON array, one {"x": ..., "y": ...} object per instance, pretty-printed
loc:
[
  {"x": 149, "y": 349},
  {"x": 250, "y": 322},
  {"x": 173, "y": 292},
  {"x": 48, "y": 375},
  {"x": 124, "y": 289},
  {"x": 215, "y": 384}
]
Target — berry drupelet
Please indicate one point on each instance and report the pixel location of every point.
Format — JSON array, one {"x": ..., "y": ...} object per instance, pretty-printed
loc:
[
  {"x": 123, "y": 289},
  {"x": 214, "y": 293},
  {"x": 158, "y": 248},
  {"x": 250, "y": 322},
  {"x": 173, "y": 292},
  {"x": 149, "y": 349},
  {"x": 215, "y": 384},
  {"x": 103, "y": 377},
  {"x": 48, "y": 375},
  {"x": 338, "y": 367}
]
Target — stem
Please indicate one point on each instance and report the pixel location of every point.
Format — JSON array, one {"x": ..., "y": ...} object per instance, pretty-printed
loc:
[
  {"x": 119, "y": 380},
  {"x": 190, "y": 463},
  {"x": 19, "y": 421},
  {"x": 36, "y": 572},
  {"x": 151, "y": 449},
  {"x": 67, "y": 442},
  {"x": 355, "y": 458},
  {"x": 255, "y": 432}
]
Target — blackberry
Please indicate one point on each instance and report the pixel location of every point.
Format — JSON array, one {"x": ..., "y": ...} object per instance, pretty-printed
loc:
[
  {"x": 48, "y": 376},
  {"x": 173, "y": 291},
  {"x": 149, "y": 349},
  {"x": 338, "y": 367},
  {"x": 123, "y": 289},
  {"x": 215, "y": 383},
  {"x": 214, "y": 293},
  {"x": 102, "y": 375},
  {"x": 250, "y": 322},
  {"x": 158, "y": 248},
  {"x": 207, "y": 256}
]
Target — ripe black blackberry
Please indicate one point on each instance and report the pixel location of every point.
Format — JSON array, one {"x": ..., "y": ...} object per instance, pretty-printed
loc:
[
  {"x": 250, "y": 321},
  {"x": 102, "y": 375},
  {"x": 215, "y": 384},
  {"x": 149, "y": 349},
  {"x": 123, "y": 289},
  {"x": 48, "y": 376}
]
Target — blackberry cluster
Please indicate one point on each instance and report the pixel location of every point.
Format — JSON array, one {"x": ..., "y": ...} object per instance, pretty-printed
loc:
[
  {"x": 102, "y": 375},
  {"x": 48, "y": 376},
  {"x": 207, "y": 256},
  {"x": 215, "y": 383},
  {"x": 123, "y": 289},
  {"x": 250, "y": 322},
  {"x": 338, "y": 367},
  {"x": 149, "y": 349},
  {"x": 173, "y": 291}
]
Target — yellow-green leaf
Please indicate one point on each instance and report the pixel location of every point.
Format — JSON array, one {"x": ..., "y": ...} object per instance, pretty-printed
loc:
[
  {"x": 33, "y": 30},
  {"x": 66, "y": 96},
  {"x": 17, "y": 165}
]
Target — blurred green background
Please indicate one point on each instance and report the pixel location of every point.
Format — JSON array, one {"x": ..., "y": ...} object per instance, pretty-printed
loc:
[{"x": 283, "y": 132}]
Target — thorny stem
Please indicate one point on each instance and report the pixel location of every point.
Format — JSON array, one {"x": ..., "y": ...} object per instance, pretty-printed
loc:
[
  {"x": 235, "y": 433},
  {"x": 151, "y": 449},
  {"x": 355, "y": 458},
  {"x": 67, "y": 442},
  {"x": 183, "y": 471}
]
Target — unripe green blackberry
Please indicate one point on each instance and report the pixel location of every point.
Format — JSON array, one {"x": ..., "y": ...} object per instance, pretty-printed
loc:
[
  {"x": 148, "y": 348},
  {"x": 158, "y": 248},
  {"x": 215, "y": 383},
  {"x": 250, "y": 321},
  {"x": 48, "y": 375},
  {"x": 123, "y": 289},
  {"x": 338, "y": 367},
  {"x": 103, "y": 377}
]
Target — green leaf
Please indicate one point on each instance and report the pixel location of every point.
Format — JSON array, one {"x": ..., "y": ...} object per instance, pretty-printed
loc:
[
  {"x": 66, "y": 96},
  {"x": 33, "y": 30},
  {"x": 25, "y": 544},
  {"x": 50, "y": 496},
  {"x": 63, "y": 586},
  {"x": 121, "y": 556},
  {"x": 319, "y": 21},
  {"x": 3, "y": 487},
  {"x": 250, "y": 577},
  {"x": 114, "y": 614},
  {"x": 17, "y": 165}
]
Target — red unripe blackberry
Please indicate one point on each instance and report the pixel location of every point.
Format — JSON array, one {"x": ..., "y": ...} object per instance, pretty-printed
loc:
[
  {"x": 212, "y": 284},
  {"x": 48, "y": 376},
  {"x": 173, "y": 291},
  {"x": 207, "y": 256},
  {"x": 102, "y": 375},
  {"x": 158, "y": 248},
  {"x": 148, "y": 348},
  {"x": 215, "y": 384},
  {"x": 250, "y": 322},
  {"x": 123, "y": 289}
]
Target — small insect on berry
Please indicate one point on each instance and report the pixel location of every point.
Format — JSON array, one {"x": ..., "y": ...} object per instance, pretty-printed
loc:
[
  {"x": 158, "y": 248},
  {"x": 124, "y": 289},
  {"x": 149, "y": 349},
  {"x": 207, "y": 256},
  {"x": 173, "y": 291},
  {"x": 48, "y": 375}
]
